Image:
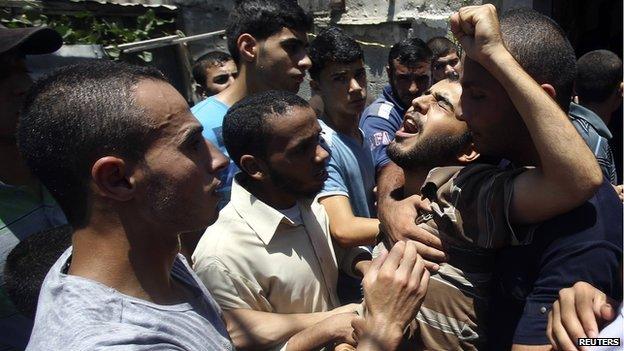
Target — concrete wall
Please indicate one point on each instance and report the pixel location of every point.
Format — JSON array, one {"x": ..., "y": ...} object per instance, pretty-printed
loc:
[{"x": 376, "y": 24}]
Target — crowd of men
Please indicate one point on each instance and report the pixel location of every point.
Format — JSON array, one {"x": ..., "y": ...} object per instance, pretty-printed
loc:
[{"x": 472, "y": 206}]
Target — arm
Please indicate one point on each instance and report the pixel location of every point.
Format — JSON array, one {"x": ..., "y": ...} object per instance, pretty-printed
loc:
[
  {"x": 578, "y": 313},
  {"x": 251, "y": 329},
  {"x": 398, "y": 217},
  {"x": 335, "y": 329},
  {"x": 345, "y": 228},
  {"x": 568, "y": 173}
]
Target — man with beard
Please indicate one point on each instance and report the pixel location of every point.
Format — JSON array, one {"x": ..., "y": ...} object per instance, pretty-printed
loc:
[
  {"x": 268, "y": 259},
  {"x": 409, "y": 74}
]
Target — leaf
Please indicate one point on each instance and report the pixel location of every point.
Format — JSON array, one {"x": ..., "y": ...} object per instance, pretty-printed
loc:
[{"x": 146, "y": 56}]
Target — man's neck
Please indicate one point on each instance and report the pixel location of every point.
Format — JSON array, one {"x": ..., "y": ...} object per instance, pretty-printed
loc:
[
  {"x": 14, "y": 170},
  {"x": 244, "y": 85},
  {"x": 414, "y": 180},
  {"x": 345, "y": 124},
  {"x": 601, "y": 110},
  {"x": 270, "y": 195},
  {"x": 133, "y": 260}
]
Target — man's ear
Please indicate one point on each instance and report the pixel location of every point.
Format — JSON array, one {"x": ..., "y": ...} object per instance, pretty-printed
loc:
[
  {"x": 469, "y": 155},
  {"x": 550, "y": 90},
  {"x": 314, "y": 85},
  {"x": 113, "y": 179},
  {"x": 621, "y": 89},
  {"x": 254, "y": 167},
  {"x": 247, "y": 47}
]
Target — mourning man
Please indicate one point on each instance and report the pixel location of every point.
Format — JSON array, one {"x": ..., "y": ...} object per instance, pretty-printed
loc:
[{"x": 446, "y": 59}]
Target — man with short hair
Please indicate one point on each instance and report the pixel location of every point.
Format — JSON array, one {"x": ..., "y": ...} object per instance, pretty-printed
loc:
[
  {"x": 121, "y": 152},
  {"x": 267, "y": 40},
  {"x": 269, "y": 259},
  {"x": 563, "y": 242},
  {"x": 26, "y": 206},
  {"x": 409, "y": 74},
  {"x": 446, "y": 61},
  {"x": 213, "y": 72},
  {"x": 599, "y": 89},
  {"x": 339, "y": 77}
]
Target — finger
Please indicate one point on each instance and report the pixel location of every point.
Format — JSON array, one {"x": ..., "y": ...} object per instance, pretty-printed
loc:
[
  {"x": 465, "y": 21},
  {"x": 430, "y": 254},
  {"x": 417, "y": 271},
  {"x": 607, "y": 313},
  {"x": 569, "y": 315},
  {"x": 424, "y": 283},
  {"x": 549, "y": 331},
  {"x": 431, "y": 266},
  {"x": 560, "y": 335},
  {"x": 425, "y": 204},
  {"x": 422, "y": 236},
  {"x": 587, "y": 307},
  {"x": 394, "y": 257},
  {"x": 408, "y": 261},
  {"x": 454, "y": 23}
]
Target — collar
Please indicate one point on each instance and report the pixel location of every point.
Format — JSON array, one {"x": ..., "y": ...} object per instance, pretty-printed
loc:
[
  {"x": 592, "y": 118},
  {"x": 262, "y": 218},
  {"x": 389, "y": 96}
]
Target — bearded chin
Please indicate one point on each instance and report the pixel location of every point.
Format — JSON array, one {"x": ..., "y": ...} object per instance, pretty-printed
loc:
[{"x": 434, "y": 151}]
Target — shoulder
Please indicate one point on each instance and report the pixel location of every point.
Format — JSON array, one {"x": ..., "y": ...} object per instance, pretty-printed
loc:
[
  {"x": 210, "y": 106},
  {"x": 380, "y": 108}
]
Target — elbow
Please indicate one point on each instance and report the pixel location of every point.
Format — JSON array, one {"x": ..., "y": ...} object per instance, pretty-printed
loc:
[
  {"x": 342, "y": 238},
  {"x": 589, "y": 185}
]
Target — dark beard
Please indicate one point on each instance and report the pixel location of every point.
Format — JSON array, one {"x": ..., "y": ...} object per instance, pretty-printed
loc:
[{"x": 435, "y": 151}]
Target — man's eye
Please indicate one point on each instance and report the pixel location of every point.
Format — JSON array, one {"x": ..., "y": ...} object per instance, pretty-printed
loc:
[{"x": 221, "y": 79}]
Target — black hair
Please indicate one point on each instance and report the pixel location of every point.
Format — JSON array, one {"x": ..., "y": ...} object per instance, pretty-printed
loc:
[
  {"x": 246, "y": 130},
  {"x": 599, "y": 75},
  {"x": 540, "y": 46},
  {"x": 441, "y": 46},
  {"x": 409, "y": 52},
  {"x": 263, "y": 18},
  {"x": 213, "y": 58},
  {"x": 76, "y": 115},
  {"x": 332, "y": 45},
  {"x": 28, "y": 264}
]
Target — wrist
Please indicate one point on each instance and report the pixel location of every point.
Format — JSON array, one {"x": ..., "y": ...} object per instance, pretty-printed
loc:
[
  {"x": 383, "y": 332},
  {"x": 496, "y": 58}
]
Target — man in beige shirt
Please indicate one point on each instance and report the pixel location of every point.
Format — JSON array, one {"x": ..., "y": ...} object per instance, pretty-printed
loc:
[{"x": 268, "y": 260}]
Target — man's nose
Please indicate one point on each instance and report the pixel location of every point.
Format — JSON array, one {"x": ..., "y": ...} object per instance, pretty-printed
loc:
[{"x": 321, "y": 154}]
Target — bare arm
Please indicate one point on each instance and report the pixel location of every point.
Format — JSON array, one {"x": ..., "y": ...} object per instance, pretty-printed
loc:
[
  {"x": 567, "y": 174},
  {"x": 251, "y": 329},
  {"x": 398, "y": 217},
  {"x": 345, "y": 228},
  {"x": 335, "y": 329}
]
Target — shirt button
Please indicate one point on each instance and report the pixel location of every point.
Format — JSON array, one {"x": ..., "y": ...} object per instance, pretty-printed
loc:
[{"x": 543, "y": 310}]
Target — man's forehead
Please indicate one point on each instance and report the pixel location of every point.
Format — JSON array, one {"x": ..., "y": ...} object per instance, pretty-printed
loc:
[
  {"x": 409, "y": 68},
  {"x": 286, "y": 34},
  {"x": 339, "y": 67},
  {"x": 476, "y": 75}
]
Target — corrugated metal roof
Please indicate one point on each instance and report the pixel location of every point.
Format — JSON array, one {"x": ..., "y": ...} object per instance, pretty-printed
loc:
[{"x": 146, "y": 3}]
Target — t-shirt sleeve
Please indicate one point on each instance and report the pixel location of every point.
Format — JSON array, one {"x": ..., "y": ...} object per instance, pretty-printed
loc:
[
  {"x": 229, "y": 290},
  {"x": 380, "y": 132},
  {"x": 596, "y": 264},
  {"x": 335, "y": 184},
  {"x": 484, "y": 194}
]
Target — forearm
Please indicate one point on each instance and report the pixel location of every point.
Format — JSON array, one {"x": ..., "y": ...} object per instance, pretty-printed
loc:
[
  {"x": 389, "y": 181},
  {"x": 380, "y": 337},
  {"x": 312, "y": 338},
  {"x": 251, "y": 329},
  {"x": 567, "y": 165},
  {"x": 354, "y": 231}
]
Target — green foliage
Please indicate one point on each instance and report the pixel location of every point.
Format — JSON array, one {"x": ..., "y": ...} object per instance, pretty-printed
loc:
[{"x": 86, "y": 28}]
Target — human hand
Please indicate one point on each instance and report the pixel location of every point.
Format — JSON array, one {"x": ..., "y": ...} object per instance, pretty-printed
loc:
[
  {"x": 478, "y": 31},
  {"x": 341, "y": 329},
  {"x": 398, "y": 220},
  {"x": 344, "y": 347},
  {"x": 578, "y": 313},
  {"x": 394, "y": 288},
  {"x": 362, "y": 266}
]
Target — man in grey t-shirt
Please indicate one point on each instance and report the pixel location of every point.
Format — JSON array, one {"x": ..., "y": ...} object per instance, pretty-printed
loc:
[{"x": 119, "y": 149}]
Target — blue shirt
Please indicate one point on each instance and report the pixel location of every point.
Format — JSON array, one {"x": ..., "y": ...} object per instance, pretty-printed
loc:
[
  {"x": 596, "y": 134},
  {"x": 380, "y": 121},
  {"x": 584, "y": 244},
  {"x": 210, "y": 113},
  {"x": 351, "y": 171}
]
